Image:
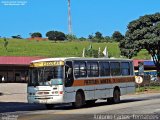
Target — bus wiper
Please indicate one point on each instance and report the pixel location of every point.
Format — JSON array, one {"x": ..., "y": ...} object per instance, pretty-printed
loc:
[
  {"x": 35, "y": 84},
  {"x": 49, "y": 83}
]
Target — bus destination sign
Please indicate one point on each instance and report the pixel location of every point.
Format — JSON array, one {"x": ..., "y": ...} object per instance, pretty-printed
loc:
[{"x": 48, "y": 63}]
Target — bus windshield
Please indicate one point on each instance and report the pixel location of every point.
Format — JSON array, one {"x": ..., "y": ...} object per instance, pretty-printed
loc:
[{"x": 44, "y": 76}]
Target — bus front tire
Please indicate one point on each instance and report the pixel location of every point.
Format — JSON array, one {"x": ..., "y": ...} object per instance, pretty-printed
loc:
[
  {"x": 79, "y": 100},
  {"x": 49, "y": 106}
]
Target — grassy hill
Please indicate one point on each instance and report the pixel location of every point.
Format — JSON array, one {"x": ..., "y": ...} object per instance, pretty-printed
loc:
[{"x": 21, "y": 47}]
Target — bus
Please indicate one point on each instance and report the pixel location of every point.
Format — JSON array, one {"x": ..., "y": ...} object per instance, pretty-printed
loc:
[{"x": 79, "y": 81}]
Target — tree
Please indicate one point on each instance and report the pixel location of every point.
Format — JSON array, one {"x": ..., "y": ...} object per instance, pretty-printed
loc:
[
  {"x": 98, "y": 35},
  {"x": 55, "y": 35},
  {"x": 36, "y": 34},
  {"x": 17, "y": 37},
  {"x": 90, "y": 36},
  {"x": 71, "y": 37},
  {"x": 82, "y": 39},
  {"x": 143, "y": 33},
  {"x": 97, "y": 38},
  {"x": 117, "y": 36}
]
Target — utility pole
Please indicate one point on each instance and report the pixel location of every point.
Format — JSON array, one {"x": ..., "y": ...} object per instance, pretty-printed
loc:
[{"x": 69, "y": 18}]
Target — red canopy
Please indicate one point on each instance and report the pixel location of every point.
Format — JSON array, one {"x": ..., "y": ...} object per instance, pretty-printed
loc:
[{"x": 13, "y": 60}]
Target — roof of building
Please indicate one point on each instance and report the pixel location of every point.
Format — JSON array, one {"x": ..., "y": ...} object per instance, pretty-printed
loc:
[
  {"x": 135, "y": 62},
  {"x": 13, "y": 60},
  {"x": 37, "y": 38},
  {"x": 146, "y": 62}
]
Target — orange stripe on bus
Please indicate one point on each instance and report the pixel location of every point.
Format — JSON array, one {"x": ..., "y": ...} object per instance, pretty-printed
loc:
[{"x": 96, "y": 81}]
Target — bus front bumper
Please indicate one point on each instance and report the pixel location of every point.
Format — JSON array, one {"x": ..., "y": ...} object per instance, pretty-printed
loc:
[{"x": 45, "y": 99}]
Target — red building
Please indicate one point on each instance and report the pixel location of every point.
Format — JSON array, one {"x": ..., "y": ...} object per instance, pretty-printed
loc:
[
  {"x": 15, "y": 69},
  {"x": 38, "y": 39}
]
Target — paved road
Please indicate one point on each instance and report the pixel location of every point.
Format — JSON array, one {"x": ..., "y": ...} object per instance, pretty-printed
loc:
[{"x": 131, "y": 107}]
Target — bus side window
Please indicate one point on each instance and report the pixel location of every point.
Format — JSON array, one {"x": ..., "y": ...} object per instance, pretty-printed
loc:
[
  {"x": 125, "y": 68},
  {"x": 69, "y": 74},
  {"x": 76, "y": 70},
  {"x": 104, "y": 69},
  {"x": 83, "y": 72},
  {"x": 131, "y": 68},
  {"x": 92, "y": 69},
  {"x": 115, "y": 68},
  {"x": 80, "y": 69}
]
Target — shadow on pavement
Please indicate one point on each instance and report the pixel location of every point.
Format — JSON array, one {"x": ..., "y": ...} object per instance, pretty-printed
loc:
[
  {"x": 19, "y": 106},
  {"x": 97, "y": 104}
]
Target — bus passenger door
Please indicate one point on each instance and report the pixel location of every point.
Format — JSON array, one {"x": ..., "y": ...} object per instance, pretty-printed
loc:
[{"x": 68, "y": 82}]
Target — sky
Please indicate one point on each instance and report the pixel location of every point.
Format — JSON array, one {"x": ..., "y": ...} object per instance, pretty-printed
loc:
[{"x": 21, "y": 17}]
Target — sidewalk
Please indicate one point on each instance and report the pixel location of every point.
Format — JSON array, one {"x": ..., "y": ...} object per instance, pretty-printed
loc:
[{"x": 13, "y": 92}]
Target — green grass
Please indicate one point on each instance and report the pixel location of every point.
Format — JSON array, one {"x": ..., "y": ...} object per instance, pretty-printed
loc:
[
  {"x": 148, "y": 89},
  {"x": 21, "y": 47},
  {"x": 52, "y": 49}
]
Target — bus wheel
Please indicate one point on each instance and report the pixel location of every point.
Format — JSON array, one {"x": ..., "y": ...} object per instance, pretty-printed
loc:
[
  {"x": 79, "y": 100},
  {"x": 116, "y": 96},
  {"x": 49, "y": 106}
]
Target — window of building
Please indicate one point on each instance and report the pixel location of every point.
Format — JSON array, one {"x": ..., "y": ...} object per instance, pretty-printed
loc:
[
  {"x": 92, "y": 69},
  {"x": 115, "y": 68},
  {"x": 104, "y": 69}
]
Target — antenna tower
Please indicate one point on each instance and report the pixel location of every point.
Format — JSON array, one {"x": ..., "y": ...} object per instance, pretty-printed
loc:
[{"x": 69, "y": 18}]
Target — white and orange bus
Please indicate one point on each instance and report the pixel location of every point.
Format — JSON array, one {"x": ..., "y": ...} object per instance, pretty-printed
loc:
[{"x": 79, "y": 80}]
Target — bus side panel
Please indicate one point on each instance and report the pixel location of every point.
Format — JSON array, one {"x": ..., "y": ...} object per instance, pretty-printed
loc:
[
  {"x": 89, "y": 92},
  {"x": 131, "y": 87},
  {"x": 102, "y": 91},
  {"x": 69, "y": 94},
  {"x": 121, "y": 86}
]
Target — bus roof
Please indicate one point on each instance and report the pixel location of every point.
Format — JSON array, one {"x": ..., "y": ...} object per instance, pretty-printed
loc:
[{"x": 79, "y": 58}]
